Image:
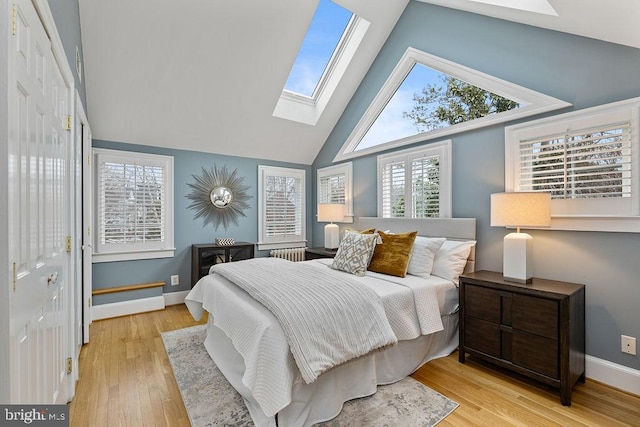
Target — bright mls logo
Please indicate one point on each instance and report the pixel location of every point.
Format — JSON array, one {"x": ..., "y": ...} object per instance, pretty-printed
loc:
[{"x": 43, "y": 415}]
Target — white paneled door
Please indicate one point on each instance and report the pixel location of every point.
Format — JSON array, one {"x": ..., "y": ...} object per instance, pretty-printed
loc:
[{"x": 40, "y": 210}]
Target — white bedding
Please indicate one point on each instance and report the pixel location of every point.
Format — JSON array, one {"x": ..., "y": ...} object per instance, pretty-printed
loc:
[{"x": 270, "y": 372}]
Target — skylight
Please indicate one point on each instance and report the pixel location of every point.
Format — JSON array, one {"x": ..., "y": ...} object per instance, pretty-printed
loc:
[
  {"x": 333, "y": 38},
  {"x": 321, "y": 41},
  {"x": 405, "y": 110}
]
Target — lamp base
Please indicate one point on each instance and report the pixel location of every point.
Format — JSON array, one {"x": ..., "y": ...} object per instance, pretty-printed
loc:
[
  {"x": 331, "y": 236},
  {"x": 518, "y": 258}
]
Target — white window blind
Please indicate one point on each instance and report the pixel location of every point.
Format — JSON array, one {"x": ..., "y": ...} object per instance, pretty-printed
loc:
[
  {"x": 415, "y": 183},
  {"x": 282, "y": 213},
  {"x": 587, "y": 160},
  {"x": 334, "y": 186},
  {"x": 332, "y": 189},
  {"x": 393, "y": 189},
  {"x": 133, "y": 203},
  {"x": 583, "y": 163}
]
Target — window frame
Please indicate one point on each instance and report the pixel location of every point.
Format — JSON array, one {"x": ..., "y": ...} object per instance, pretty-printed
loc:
[
  {"x": 264, "y": 242},
  {"x": 134, "y": 251},
  {"x": 345, "y": 169},
  {"x": 580, "y": 214},
  {"x": 443, "y": 150},
  {"x": 531, "y": 103}
]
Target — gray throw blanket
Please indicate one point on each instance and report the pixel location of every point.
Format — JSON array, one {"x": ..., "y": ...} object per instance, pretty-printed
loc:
[{"x": 327, "y": 317}]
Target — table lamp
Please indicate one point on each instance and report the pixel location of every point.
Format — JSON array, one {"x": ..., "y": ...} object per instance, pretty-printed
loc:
[
  {"x": 330, "y": 212},
  {"x": 521, "y": 209}
]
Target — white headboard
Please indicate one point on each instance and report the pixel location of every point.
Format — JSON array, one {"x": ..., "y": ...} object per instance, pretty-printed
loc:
[{"x": 451, "y": 228}]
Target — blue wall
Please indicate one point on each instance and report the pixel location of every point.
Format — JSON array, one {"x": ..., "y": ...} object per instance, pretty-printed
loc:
[
  {"x": 187, "y": 231},
  {"x": 579, "y": 70}
]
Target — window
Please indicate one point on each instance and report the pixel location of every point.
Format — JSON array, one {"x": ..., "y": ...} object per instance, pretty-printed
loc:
[
  {"x": 320, "y": 43},
  {"x": 415, "y": 183},
  {"x": 333, "y": 37},
  {"x": 587, "y": 160},
  {"x": 281, "y": 207},
  {"x": 428, "y": 97},
  {"x": 334, "y": 186},
  {"x": 134, "y": 206}
]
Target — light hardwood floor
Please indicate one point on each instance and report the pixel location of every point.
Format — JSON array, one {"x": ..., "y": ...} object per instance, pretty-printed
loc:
[{"x": 126, "y": 380}]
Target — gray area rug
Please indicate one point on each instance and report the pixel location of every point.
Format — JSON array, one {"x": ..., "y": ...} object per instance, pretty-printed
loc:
[{"x": 211, "y": 401}]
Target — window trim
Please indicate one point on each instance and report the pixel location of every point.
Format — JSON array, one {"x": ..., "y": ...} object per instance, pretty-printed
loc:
[
  {"x": 287, "y": 243},
  {"x": 443, "y": 150},
  {"x": 345, "y": 169},
  {"x": 164, "y": 249},
  {"x": 531, "y": 103},
  {"x": 621, "y": 222}
]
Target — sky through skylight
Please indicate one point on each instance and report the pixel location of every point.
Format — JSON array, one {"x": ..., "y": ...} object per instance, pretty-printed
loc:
[{"x": 323, "y": 35}]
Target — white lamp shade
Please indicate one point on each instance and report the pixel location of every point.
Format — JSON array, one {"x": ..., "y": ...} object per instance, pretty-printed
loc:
[
  {"x": 330, "y": 212},
  {"x": 525, "y": 209}
]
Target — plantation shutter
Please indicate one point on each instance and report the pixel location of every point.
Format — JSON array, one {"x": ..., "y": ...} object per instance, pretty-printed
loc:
[
  {"x": 332, "y": 189},
  {"x": 282, "y": 212},
  {"x": 586, "y": 163},
  {"x": 393, "y": 189},
  {"x": 425, "y": 187},
  {"x": 133, "y": 204}
]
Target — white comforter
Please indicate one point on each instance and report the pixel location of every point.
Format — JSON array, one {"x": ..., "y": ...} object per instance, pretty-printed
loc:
[
  {"x": 256, "y": 334},
  {"x": 327, "y": 317}
]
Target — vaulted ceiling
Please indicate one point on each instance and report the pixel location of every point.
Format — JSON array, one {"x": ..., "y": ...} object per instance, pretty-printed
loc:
[{"x": 206, "y": 75}]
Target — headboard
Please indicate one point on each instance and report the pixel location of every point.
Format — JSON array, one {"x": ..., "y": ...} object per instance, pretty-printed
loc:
[{"x": 451, "y": 228}]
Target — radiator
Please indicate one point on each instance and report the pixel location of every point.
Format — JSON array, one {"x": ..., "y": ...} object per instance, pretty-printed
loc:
[{"x": 292, "y": 254}]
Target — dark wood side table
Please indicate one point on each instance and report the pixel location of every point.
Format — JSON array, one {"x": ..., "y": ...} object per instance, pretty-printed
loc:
[
  {"x": 203, "y": 256},
  {"x": 535, "y": 329},
  {"x": 319, "y": 252}
]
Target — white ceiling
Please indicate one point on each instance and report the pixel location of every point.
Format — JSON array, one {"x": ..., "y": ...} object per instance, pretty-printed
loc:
[{"x": 206, "y": 75}]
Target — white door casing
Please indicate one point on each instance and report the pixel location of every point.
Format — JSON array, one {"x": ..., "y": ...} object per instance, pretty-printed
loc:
[
  {"x": 82, "y": 125},
  {"x": 40, "y": 212}
]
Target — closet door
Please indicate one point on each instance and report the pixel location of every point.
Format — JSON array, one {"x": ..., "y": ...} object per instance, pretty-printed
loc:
[{"x": 39, "y": 212}]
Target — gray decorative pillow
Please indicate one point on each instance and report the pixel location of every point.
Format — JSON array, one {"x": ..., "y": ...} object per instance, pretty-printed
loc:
[{"x": 354, "y": 253}]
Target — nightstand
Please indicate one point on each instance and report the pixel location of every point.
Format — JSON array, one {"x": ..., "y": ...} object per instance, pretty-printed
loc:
[
  {"x": 320, "y": 252},
  {"x": 535, "y": 329},
  {"x": 203, "y": 256}
]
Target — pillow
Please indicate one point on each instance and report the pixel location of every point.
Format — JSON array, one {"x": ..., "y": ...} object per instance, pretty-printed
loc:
[
  {"x": 367, "y": 231},
  {"x": 422, "y": 255},
  {"x": 354, "y": 253},
  {"x": 451, "y": 259},
  {"x": 392, "y": 255}
]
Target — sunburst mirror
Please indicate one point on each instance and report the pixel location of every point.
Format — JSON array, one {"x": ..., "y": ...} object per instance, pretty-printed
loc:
[{"x": 218, "y": 197}]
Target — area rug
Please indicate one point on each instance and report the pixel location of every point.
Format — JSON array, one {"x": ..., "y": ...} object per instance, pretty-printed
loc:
[{"x": 211, "y": 401}]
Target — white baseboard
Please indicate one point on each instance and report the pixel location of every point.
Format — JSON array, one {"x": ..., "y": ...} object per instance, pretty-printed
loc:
[
  {"x": 612, "y": 374},
  {"x": 174, "y": 298},
  {"x": 115, "y": 309}
]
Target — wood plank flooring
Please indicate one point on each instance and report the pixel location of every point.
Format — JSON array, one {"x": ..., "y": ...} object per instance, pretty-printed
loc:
[{"x": 126, "y": 380}]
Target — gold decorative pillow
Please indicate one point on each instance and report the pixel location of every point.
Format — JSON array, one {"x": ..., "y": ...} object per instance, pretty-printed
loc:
[{"x": 392, "y": 255}]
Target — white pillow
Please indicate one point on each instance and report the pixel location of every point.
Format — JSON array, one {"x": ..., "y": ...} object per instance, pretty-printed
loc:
[
  {"x": 354, "y": 253},
  {"x": 451, "y": 259},
  {"x": 423, "y": 254}
]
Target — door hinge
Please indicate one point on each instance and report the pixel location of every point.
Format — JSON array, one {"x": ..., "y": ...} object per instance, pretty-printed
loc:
[
  {"x": 67, "y": 124},
  {"x": 14, "y": 277},
  {"x": 89, "y": 302},
  {"x": 14, "y": 28},
  {"x": 69, "y": 244},
  {"x": 89, "y": 160},
  {"x": 69, "y": 365}
]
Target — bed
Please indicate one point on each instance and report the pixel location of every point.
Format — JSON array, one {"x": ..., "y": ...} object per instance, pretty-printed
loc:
[{"x": 251, "y": 347}]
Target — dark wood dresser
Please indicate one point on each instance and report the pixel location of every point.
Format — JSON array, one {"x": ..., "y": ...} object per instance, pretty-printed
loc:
[{"x": 535, "y": 329}]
